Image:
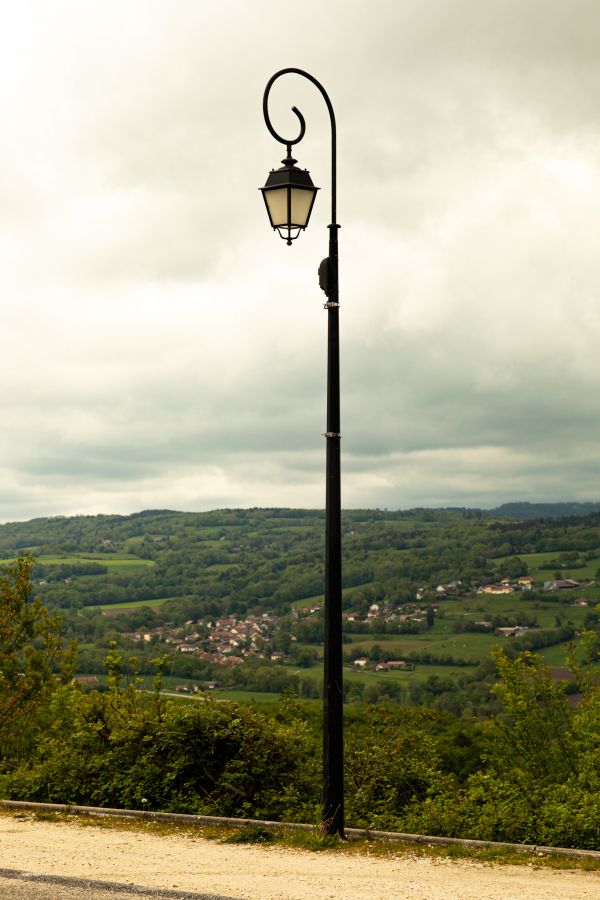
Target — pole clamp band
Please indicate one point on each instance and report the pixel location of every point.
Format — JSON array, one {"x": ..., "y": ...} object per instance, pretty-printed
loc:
[
  {"x": 331, "y": 304},
  {"x": 332, "y": 434}
]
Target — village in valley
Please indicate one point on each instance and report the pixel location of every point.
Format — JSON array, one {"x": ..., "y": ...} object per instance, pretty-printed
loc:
[{"x": 228, "y": 641}]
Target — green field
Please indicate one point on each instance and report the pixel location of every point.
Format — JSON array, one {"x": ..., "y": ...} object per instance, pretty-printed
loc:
[
  {"x": 133, "y": 604},
  {"x": 170, "y": 682},
  {"x": 554, "y": 656},
  {"x": 442, "y": 641},
  {"x": 320, "y": 598},
  {"x": 222, "y": 696},
  {"x": 536, "y": 560},
  {"x": 243, "y": 696},
  {"x": 119, "y": 562},
  {"x": 353, "y": 674},
  {"x": 464, "y": 646}
]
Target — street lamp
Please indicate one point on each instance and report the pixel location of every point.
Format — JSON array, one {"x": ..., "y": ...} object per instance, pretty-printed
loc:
[{"x": 289, "y": 195}]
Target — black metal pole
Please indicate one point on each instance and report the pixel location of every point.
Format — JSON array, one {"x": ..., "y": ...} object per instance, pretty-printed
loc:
[{"x": 333, "y": 696}]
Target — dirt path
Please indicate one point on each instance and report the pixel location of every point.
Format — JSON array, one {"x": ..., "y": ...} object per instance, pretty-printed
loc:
[{"x": 190, "y": 863}]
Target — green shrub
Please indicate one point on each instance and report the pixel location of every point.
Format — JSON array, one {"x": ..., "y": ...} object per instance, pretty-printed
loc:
[
  {"x": 390, "y": 766},
  {"x": 203, "y": 757}
]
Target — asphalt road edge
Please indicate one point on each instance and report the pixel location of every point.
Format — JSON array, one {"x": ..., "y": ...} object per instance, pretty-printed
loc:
[{"x": 114, "y": 887}]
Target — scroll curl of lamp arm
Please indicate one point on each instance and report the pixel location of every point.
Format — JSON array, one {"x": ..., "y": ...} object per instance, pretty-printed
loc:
[{"x": 289, "y": 143}]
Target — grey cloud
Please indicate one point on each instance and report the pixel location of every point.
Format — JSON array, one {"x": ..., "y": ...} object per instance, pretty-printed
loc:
[{"x": 163, "y": 348}]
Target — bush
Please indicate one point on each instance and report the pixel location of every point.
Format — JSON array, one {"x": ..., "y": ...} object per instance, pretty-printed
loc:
[
  {"x": 396, "y": 767},
  {"x": 542, "y": 784},
  {"x": 122, "y": 750}
]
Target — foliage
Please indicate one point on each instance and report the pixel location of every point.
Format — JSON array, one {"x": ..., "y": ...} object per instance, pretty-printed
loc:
[
  {"x": 126, "y": 748},
  {"x": 536, "y": 740},
  {"x": 398, "y": 766},
  {"x": 530, "y": 776},
  {"x": 541, "y": 784},
  {"x": 31, "y": 653}
]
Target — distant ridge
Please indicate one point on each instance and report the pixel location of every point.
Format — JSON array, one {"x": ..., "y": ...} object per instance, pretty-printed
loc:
[
  {"x": 524, "y": 510},
  {"x": 520, "y": 510}
]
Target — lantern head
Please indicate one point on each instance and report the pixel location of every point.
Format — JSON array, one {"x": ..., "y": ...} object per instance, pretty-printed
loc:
[{"x": 289, "y": 195}]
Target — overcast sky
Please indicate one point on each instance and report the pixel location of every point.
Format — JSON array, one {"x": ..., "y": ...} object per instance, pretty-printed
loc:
[{"x": 162, "y": 347}]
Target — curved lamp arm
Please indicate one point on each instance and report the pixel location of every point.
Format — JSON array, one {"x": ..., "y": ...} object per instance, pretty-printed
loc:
[{"x": 300, "y": 117}]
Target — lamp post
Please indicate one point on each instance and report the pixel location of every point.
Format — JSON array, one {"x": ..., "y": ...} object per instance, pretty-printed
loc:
[{"x": 289, "y": 195}]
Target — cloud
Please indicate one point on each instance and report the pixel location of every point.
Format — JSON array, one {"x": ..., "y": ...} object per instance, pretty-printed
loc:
[{"x": 162, "y": 347}]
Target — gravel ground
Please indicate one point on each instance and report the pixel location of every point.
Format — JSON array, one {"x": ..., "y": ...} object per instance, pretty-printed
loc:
[{"x": 188, "y": 863}]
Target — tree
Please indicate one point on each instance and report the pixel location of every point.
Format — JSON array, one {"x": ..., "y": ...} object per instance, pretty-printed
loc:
[
  {"x": 31, "y": 650},
  {"x": 537, "y": 742},
  {"x": 375, "y": 653},
  {"x": 514, "y": 568}
]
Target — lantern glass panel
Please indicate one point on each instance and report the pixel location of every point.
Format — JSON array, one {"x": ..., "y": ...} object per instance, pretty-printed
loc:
[
  {"x": 278, "y": 206},
  {"x": 301, "y": 206}
]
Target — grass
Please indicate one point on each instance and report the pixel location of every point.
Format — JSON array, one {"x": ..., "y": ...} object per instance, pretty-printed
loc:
[
  {"x": 419, "y": 674},
  {"x": 319, "y": 598},
  {"x": 440, "y": 641},
  {"x": 130, "y": 604},
  {"x": 554, "y": 656},
  {"x": 313, "y": 840},
  {"x": 243, "y": 696},
  {"x": 475, "y": 608},
  {"x": 170, "y": 682},
  {"x": 121, "y": 562},
  {"x": 536, "y": 560},
  {"x": 309, "y": 601}
]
